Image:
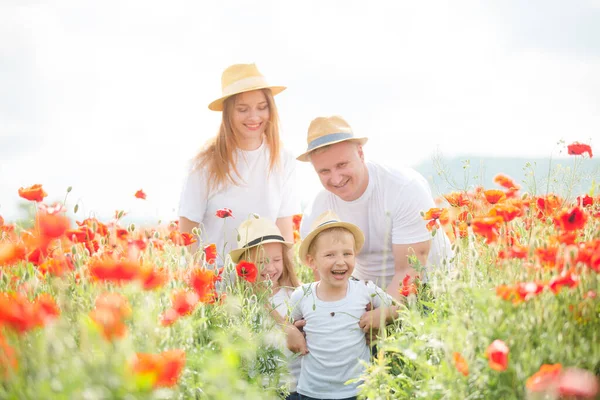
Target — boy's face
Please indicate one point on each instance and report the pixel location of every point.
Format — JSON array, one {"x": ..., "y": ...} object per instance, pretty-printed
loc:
[
  {"x": 333, "y": 258},
  {"x": 269, "y": 260}
]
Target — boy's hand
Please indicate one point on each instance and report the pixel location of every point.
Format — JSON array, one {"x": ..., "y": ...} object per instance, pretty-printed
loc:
[
  {"x": 372, "y": 320},
  {"x": 295, "y": 340}
]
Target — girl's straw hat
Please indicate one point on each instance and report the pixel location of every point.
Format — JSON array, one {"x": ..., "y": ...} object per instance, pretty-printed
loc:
[
  {"x": 329, "y": 220},
  {"x": 240, "y": 78},
  {"x": 254, "y": 232},
  {"x": 324, "y": 131}
]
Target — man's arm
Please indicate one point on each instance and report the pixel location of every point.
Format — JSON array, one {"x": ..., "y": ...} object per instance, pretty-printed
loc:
[{"x": 401, "y": 253}]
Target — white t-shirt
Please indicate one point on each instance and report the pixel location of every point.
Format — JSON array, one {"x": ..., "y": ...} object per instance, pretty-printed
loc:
[
  {"x": 388, "y": 212},
  {"x": 281, "y": 303},
  {"x": 336, "y": 344},
  {"x": 270, "y": 195}
]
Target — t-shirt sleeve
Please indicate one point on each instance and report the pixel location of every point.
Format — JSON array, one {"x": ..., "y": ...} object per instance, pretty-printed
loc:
[
  {"x": 295, "y": 309},
  {"x": 192, "y": 203},
  {"x": 408, "y": 226},
  {"x": 290, "y": 201},
  {"x": 378, "y": 296}
]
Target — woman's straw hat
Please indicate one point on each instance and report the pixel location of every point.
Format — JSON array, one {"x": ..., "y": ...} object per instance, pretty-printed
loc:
[
  {"x": 324, "y": 131},
  {"x": 240, "y": 78},
  {"x": 329, "y": 220},
  {"x": 254, "y": 232}
]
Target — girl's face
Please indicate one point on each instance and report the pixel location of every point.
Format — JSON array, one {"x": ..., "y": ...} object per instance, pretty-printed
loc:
[
  {"x": 269, "y": 260},
  {"x": 250, "y": 117}
]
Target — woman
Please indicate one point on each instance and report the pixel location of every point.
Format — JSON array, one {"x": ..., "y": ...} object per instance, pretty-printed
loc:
[{"x": 244, "y": 167}]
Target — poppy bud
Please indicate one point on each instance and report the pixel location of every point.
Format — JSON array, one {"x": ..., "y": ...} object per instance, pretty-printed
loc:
[
  {"x": 156, "y": 235},
  {"x": 131, "y": 228},
  {"x": 69, "y": 189},
  {"x": 195, "y": 231},
  {"x": 76, "y": 208},
  {"x": 255, "y": 215}
]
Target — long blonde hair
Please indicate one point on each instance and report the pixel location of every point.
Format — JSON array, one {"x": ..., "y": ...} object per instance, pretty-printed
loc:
[
  {"x": 288, "y": 276},
  {"x": 217, "y": 154}
]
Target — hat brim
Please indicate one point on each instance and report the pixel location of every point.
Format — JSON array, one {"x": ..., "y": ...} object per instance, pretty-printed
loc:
[
  {"x": 237, "y": 253},
  {"x": 304, "y": 157},
  {"x": 217, "y": 105},
  {"x": 359, "y": 237}
]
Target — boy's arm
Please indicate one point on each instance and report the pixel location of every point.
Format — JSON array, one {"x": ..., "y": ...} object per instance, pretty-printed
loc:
[{"x": 296, "y": 342}]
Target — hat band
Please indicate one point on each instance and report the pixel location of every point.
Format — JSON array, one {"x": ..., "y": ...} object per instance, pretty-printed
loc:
[
  {"x": 262, "y": 239},
  {"x": 244, "y": 84},
  {"x": 332, "y": 137},
  {"x": 327, "y": 222}
]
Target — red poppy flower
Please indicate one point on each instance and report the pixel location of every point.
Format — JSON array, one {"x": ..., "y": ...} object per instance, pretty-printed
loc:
[
  {"x": 185, "y": 302},
  {"x": 163, "y": 369},
  {"x": 46, "y": 308},
  {"x": 460, "y": 363},
  {"x": 57, "y": 265},
  {"x": 296, "y": 219},
  {"x": 210, "y": 253},
  {"x": 577, "y": 149},
  {"x": 547, "y": 205},
  {"x": 108, "y": 269},
  {"x": 506, "y": 182},
  {"x": 567, "y": 278},
  {"x": 494, "y": 196},
  {"x": 544, "y": 378},
  {"x": 487, "y": 227},
  {"x": 247, "y": 271},
  {"x": 152, "y": 277},
  {"x": 582, "y": 201},
  {"x": 95, "y": 225},
  {"x": 140, "y": 194},
  {"x": 577, "y": 383},
  {"x": 80, "y": 235},
  {"x": 33, "y": 193},
  {"x": 51, "y": 222},
  {"x": 407, "y": 288},
  {"x": 457, "y": 199},
  {"x": 203, "y": 283},
  {"x": 12, "y": 253},
  {"x": 111, "y": 324},
  {"x": 573, "y": 219},
  {"x": 169, "y": 317},
  {"x": 497, "y": 355},
  {"x": 224, "y": 213},
  {"x": 506, "y": 210},
  {"x": 181, "y": 239}
]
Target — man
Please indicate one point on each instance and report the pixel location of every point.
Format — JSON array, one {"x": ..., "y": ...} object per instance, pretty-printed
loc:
[{"x": 385, "y": 202}]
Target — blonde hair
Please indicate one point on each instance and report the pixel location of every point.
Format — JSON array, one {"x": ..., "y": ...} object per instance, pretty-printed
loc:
[
  {"x": 337, "y": 231},
  {"x": 218, "y": 153},
  {"x": 288, "y": 276}
]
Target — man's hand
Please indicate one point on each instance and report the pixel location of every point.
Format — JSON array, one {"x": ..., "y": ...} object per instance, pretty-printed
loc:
[
  {"x": 300, "y": 324},
  {"x": 295, "y": 340},
  {"x": 373, "y": 319}
]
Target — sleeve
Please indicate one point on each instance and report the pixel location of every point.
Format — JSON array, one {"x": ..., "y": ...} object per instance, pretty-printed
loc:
[
  {"x": 378, "y": 296},
  {"x": 296, "y": 303},
  {"x": 192, "y": 203},
  {"x": 407, "y": 224},
  {"x": 290, "y": 201}
]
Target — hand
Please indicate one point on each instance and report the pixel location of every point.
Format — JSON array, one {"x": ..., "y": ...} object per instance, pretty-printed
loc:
[
  {"x": 371, "y": 320},
  {"x": 295, "y": 340},
  {"x": 300, "y": 323}
]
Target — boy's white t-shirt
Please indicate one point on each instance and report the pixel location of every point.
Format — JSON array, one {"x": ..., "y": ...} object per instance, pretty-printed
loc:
[
  {"x": 281, "y": 303},
  {"x": 336, "y": 344},
  {"x": 270, "y": 195},
  {"x": 388, "y": 212}
]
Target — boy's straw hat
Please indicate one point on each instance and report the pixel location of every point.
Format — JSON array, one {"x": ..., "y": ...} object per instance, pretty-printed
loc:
[
  {"x": 324, "y": 131},
  {"x": 329, "y": 220},
  {"x": 254, "y": 232},
  {"x": 240, "y": 78}
]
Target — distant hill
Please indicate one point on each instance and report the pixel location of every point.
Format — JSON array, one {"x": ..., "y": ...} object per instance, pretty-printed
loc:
[{"x": 573, "y": 175}]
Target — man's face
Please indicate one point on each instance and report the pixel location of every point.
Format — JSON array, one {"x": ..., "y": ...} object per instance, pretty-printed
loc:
[{"x": 342, "y": 170}]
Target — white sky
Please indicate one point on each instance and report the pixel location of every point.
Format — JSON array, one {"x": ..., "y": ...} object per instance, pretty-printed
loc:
[{"x": 111, "y": 96}]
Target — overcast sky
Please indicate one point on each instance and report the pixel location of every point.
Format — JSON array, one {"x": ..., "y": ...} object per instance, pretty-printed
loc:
[{"x": 111, "y": 96}]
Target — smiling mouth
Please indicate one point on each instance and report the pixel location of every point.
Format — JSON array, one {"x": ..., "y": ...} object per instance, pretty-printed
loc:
[
  {"x": 342, "y": 184},
  {"x": 253, "y": 127},
  {"x": 339, "y": 272}
]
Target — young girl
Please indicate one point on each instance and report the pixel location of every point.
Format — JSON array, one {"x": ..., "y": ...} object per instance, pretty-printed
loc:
[
  {"x": 244, "y": 167},
  {"x": 261, "y": 243}
]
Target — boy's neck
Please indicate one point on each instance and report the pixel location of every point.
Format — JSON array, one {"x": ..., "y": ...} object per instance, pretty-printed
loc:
[{"x": 327, "y": 292}]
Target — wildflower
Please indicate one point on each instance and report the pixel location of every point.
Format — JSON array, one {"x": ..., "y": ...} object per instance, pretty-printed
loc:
[
  {"x": 57, "y": 265},
  {"x": 152, "y": 277},
  {"x": 140, "y": 194},
  {"x": 487, "y": 226},
  {"x": 210, "y": 253},
  {"x": 506, "y": 211},
  {"x": 224, "y": 213},
  {"x": 51, "y": 222},
  {"x": 163, "y": 369},
  {"x": 109, "y": 314},
  {"x": 577, "y": 149},
  {"x": 33, "y": 193},
  {"x": 203, "y": 283},
  {"x": 181, "y": 239},
  {"x": 578, "y": 383},
  {"x": 542, "y": 379},
  {"x": 407, "y": 288},
  {"x": 95, "y": 225},
  {"x": 573, "y": 219},
  {"x": 169, "y": 317},
  {"x": 460, "y": 363},
  {"x": 506, "y": 182},
  {"x": 497, "y": 355},
  {"x": 494, "y": 196},
  {"x": 547, "y": 205},
  {"x": 457, "y": 199},
  {"x": 435, "y": 214},
  {"x": 566, "y": 278},
  {"x": 582, "y": 201},
  {"x": 296, "y": 219},
  {"x": 108, "y": 269},
  {"x": 80, "y": 235},
  {"x": 247, "y": 271},
  {"x": 12, "y": 253},
  {"x": 185, "y": 302}
]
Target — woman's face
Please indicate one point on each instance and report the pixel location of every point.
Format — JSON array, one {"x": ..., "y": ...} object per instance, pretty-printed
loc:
[{"x": 250, "y": 118}]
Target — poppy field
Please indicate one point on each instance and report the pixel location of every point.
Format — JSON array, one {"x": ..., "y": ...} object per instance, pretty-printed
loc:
[{"x": 94, "y": 309}]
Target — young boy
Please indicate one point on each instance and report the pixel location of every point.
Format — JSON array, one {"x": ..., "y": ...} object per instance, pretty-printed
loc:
[{"x": 335, "y": 343}]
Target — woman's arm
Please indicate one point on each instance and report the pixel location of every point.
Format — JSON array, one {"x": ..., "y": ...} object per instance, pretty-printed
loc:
[{"x": 286, "y": 226}]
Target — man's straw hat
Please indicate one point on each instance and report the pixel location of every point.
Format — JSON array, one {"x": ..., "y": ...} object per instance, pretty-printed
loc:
[
  {"x": 240, "y": 78},
  {"x": 324, "y": 131},
  {"x": 329, "y": 220},
  {"x": 254, "y": 232}
]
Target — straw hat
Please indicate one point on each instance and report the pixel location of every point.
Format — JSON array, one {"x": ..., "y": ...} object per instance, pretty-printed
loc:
[
  {"x": 240, "y": 78},
  {"x": 324, "y": 131},
  {"x": 254, "y": 232},
  {"x": 329, "y": 220}
]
